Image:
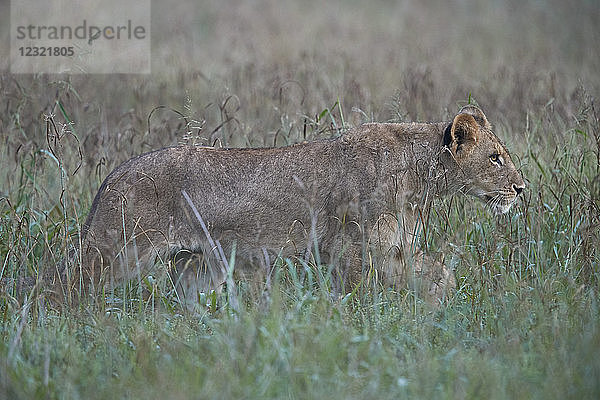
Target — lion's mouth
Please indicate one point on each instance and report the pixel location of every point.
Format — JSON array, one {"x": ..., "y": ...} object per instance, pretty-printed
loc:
[
  {"x": 498, "y": 204},
  {"x": 486, "y": 198}
]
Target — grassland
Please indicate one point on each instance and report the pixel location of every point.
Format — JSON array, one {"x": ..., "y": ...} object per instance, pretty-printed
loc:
[{"x": 525, "y": 320}]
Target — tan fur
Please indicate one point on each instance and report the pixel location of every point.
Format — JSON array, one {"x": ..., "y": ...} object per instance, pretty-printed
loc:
[{"x": 357, "y": 197}]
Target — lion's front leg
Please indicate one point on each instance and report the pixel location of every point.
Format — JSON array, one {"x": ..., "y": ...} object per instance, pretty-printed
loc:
[
  {"x": 401, "y": 263},
  {"x": 433, "y": 278}
]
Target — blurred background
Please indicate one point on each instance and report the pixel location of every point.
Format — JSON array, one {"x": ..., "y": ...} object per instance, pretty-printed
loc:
[{"x": 524, "y": 321}]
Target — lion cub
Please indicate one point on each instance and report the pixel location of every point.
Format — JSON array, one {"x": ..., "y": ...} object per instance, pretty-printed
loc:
[{"x": 353, "y": 203}]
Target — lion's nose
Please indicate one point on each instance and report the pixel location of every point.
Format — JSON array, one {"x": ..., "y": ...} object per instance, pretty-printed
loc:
[{"x": 518, "y": 189}]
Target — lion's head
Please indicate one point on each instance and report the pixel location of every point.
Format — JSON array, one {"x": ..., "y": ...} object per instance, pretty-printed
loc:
[{"x": 482, "y": 164}]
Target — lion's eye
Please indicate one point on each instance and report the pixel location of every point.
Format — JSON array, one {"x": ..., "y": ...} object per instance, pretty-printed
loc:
[{"x": 496, "y": 159}]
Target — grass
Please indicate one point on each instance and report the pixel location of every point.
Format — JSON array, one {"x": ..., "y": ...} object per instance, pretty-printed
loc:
[{"x": 524, "y": 322}]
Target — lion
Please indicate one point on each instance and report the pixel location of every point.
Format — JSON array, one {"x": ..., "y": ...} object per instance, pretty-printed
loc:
[{"x": 354, "y": 203}]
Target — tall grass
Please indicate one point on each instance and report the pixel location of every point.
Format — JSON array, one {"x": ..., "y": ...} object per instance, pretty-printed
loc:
[{"x": 523, "y": 322}]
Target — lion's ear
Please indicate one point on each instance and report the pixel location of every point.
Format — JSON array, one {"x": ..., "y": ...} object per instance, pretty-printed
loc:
[
  {"x": 476, "y": 113},
  {"x": 464, "y": 133}
]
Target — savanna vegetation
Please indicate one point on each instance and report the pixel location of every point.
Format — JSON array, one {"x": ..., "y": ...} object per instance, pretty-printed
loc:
[{"x": 524, "y": 321}]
